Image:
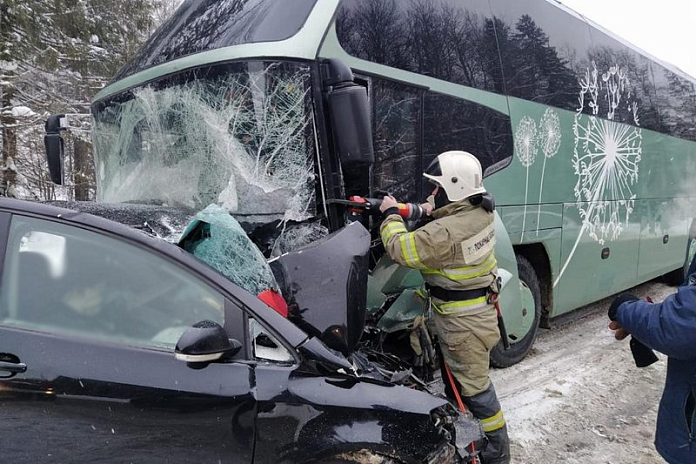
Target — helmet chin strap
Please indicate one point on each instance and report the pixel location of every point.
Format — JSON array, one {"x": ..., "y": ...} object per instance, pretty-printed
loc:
[{"x": 441, "y": 198}]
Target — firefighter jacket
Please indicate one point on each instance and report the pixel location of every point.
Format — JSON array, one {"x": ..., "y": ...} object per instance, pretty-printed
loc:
[
  {"x": 453, "y": 252},
  {"x": 670, "y": 327}
]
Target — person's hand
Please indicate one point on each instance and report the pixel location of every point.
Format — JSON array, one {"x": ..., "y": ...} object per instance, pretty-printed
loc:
[
  {"x": 388, "y": 202},
  {"x": 427, "y": 207},
  {"x": 619, "y": 332}
]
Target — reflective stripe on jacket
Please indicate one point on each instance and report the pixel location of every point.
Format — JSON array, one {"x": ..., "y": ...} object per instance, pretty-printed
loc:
[{"x": 454, "y": 252}]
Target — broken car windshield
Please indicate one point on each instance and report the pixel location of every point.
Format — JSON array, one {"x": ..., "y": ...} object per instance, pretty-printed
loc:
[{"x": 238, "y": 135}]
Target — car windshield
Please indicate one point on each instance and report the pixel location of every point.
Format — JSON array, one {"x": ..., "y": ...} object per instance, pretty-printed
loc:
[{"x": 239, "y": 135}]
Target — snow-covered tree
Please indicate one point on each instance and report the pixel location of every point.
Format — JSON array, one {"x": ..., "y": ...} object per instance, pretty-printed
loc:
[{"x": 54, "y": 56}]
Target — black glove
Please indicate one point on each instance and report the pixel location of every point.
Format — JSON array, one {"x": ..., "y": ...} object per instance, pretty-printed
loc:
[
  {"x": 618, "y": 301},
  {"x": 642, "y": 355}
]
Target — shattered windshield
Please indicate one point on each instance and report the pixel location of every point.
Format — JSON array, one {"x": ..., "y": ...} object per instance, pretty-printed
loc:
[
  {"x": 238, "y": 135},
  {"x": 217, "y": 239}
]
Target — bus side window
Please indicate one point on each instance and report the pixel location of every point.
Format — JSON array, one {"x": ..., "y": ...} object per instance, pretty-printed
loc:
[
  {"x": 451, "y": 123},
  {"x": 397, "y": 113}
]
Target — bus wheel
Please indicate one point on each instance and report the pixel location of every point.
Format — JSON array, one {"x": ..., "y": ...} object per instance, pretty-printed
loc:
[
  {"x": 674, "y": 278},
  {"x": 530, "y": 293}
]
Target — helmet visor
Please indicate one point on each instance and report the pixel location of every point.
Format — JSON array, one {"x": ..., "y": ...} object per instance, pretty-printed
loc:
[{"x": 434, "y": 168}]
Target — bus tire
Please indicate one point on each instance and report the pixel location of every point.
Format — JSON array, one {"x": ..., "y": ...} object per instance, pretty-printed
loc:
[
  {"x": 674, "y": 278},
  {"x": 500, "y": 357}
]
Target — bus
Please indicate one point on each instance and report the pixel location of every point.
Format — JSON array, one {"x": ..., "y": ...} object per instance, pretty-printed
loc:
[{"x": 588, "y": 144}]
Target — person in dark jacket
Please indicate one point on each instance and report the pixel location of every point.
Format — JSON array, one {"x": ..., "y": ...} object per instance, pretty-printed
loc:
[{"x": 670, "y": 328}]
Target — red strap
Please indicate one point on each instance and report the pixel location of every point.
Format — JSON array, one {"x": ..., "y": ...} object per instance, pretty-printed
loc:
[{"x": 460, "y": 403}]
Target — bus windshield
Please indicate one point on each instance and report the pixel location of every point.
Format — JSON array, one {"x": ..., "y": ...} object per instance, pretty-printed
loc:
[
  {"x": 201, "y": 25},
  {"x": 239, "y": 135}
]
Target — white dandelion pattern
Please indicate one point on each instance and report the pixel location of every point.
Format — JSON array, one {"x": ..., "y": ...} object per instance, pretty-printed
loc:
[
  {"x": 526, "y": 141},
  {"x": 605, "y": 158},
  {"x": 549, "y": 134},
  {"x": 526, "y": 149},
  {"x": 606, "y": 163}
]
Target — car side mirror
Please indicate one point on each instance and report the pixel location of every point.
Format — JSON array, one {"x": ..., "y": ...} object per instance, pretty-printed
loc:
[
  {"x": 55, "y": 146},
  {"x": 204, "y": 342}
]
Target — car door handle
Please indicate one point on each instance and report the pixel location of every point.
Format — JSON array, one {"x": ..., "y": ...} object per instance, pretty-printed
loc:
[{"x": 15, "y": 368}]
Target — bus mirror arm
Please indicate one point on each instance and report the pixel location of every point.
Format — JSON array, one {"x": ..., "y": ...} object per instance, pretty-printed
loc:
[{"x": 336, "y": 72}]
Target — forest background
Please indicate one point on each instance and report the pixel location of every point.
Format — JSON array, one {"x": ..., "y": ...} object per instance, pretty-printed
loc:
[{"x": 55, "y": 55}]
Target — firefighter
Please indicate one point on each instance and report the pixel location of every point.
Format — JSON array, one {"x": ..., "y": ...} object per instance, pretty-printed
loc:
[{"x": 455, "y": 255}]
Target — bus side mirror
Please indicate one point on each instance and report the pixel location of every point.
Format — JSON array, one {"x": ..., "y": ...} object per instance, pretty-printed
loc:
[
  {"x": 349, "y": 110},
  {"x": 55, "y": 146}
]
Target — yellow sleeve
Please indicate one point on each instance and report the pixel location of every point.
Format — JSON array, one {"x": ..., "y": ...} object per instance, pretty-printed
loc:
[{"x": 421, "y": 249}]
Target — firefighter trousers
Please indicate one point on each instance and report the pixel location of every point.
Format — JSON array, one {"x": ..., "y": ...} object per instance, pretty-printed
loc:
[{"x": 466, "y": 341}]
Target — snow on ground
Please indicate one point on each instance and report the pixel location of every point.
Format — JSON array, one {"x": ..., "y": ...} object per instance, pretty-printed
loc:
[{"x": 578, "y": 397}]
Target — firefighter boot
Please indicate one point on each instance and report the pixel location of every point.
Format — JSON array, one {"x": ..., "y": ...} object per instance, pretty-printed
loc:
[{"x": 486, "y": 408}]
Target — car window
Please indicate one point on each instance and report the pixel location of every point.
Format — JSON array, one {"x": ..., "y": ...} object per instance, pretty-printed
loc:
[
  {"x": 66, "y": 280},
  {"x": 265, "y": 346}
]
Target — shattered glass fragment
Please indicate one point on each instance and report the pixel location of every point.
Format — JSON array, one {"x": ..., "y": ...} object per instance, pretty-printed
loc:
[
  {"x": 216, "y": 238},
  {"x": 157, "y": 221},
  {"x": 298, "y": 235}
]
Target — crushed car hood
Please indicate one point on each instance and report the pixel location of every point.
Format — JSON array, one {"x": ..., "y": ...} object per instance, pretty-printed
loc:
[{"x": 325, "y": 285}]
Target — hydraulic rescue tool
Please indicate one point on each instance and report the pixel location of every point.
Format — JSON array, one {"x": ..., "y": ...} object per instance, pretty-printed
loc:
[{"x": 358, "y": 205}]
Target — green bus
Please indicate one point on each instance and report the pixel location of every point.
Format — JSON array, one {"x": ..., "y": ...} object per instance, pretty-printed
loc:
[{"x": 588, "y": 144}]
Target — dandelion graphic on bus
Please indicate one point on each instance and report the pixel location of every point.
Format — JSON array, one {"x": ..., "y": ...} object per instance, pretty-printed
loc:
[
  {"x": 526, "y": 149},
  {"x": 550, "y": 142},
  {"x": 606, "y": 157},
  {"x": 606, "y": 164},
  {"x": 526, "y": 141},
  {"x": 529, "y": 138}
]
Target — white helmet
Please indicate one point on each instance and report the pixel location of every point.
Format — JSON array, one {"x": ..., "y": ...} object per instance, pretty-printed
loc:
[{"x": 458, "y": 173}]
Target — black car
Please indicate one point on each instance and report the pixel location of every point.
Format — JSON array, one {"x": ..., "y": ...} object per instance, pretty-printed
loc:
[{"x": 119, "y": 347}]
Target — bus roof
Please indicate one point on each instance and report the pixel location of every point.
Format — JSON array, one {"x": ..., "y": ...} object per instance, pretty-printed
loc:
[
  {"x": 304, "y": 44},
  {"x": 149, "y": 63}
]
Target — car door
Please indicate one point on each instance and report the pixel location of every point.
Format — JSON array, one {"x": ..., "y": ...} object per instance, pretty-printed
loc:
[{"x": 88, "y": 326}]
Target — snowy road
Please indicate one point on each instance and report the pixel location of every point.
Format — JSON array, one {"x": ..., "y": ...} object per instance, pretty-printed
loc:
[{"x": 578, "y": 397}]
